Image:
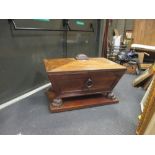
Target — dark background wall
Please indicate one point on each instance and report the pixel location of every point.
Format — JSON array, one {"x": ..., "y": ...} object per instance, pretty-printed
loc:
[{"x": 22, "y": 52}]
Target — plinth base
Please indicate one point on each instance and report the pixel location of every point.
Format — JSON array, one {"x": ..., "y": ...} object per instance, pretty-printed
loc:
[{"x": 80, "y": 102}]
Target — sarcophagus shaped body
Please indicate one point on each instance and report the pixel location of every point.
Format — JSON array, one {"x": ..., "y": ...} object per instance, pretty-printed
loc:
[{"x": 75, "y": 82}]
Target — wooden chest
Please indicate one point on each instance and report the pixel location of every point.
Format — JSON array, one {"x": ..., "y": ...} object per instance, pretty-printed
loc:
[{"x": 75, "y": 83}]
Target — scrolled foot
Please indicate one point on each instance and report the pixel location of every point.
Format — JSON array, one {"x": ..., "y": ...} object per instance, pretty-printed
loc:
[
  {"x": 111, "y": 95},
  {"x": 57, "y": 102}
]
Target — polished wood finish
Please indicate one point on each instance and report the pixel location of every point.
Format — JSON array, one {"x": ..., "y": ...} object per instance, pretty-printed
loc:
[
  {"x": 71, "y": 78},
  {"x": 71, "y": 64},
  {"x": 75, "y": 84}
]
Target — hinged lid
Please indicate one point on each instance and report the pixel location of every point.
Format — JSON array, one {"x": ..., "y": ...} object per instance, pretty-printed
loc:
[{"x": 72, "y": 64}]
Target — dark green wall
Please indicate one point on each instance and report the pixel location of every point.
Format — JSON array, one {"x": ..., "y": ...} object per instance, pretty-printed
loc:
[{"x": 22, "y": 52}]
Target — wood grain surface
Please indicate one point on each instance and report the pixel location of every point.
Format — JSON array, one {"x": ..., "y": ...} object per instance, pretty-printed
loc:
[
  {"x": 71, "y": 64},
  {"x": 144, "y": 32},
  {"x": 74, "y": 80}
]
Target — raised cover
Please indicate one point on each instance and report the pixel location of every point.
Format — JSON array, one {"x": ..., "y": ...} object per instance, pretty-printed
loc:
[{"x": 72, "y": 64}]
